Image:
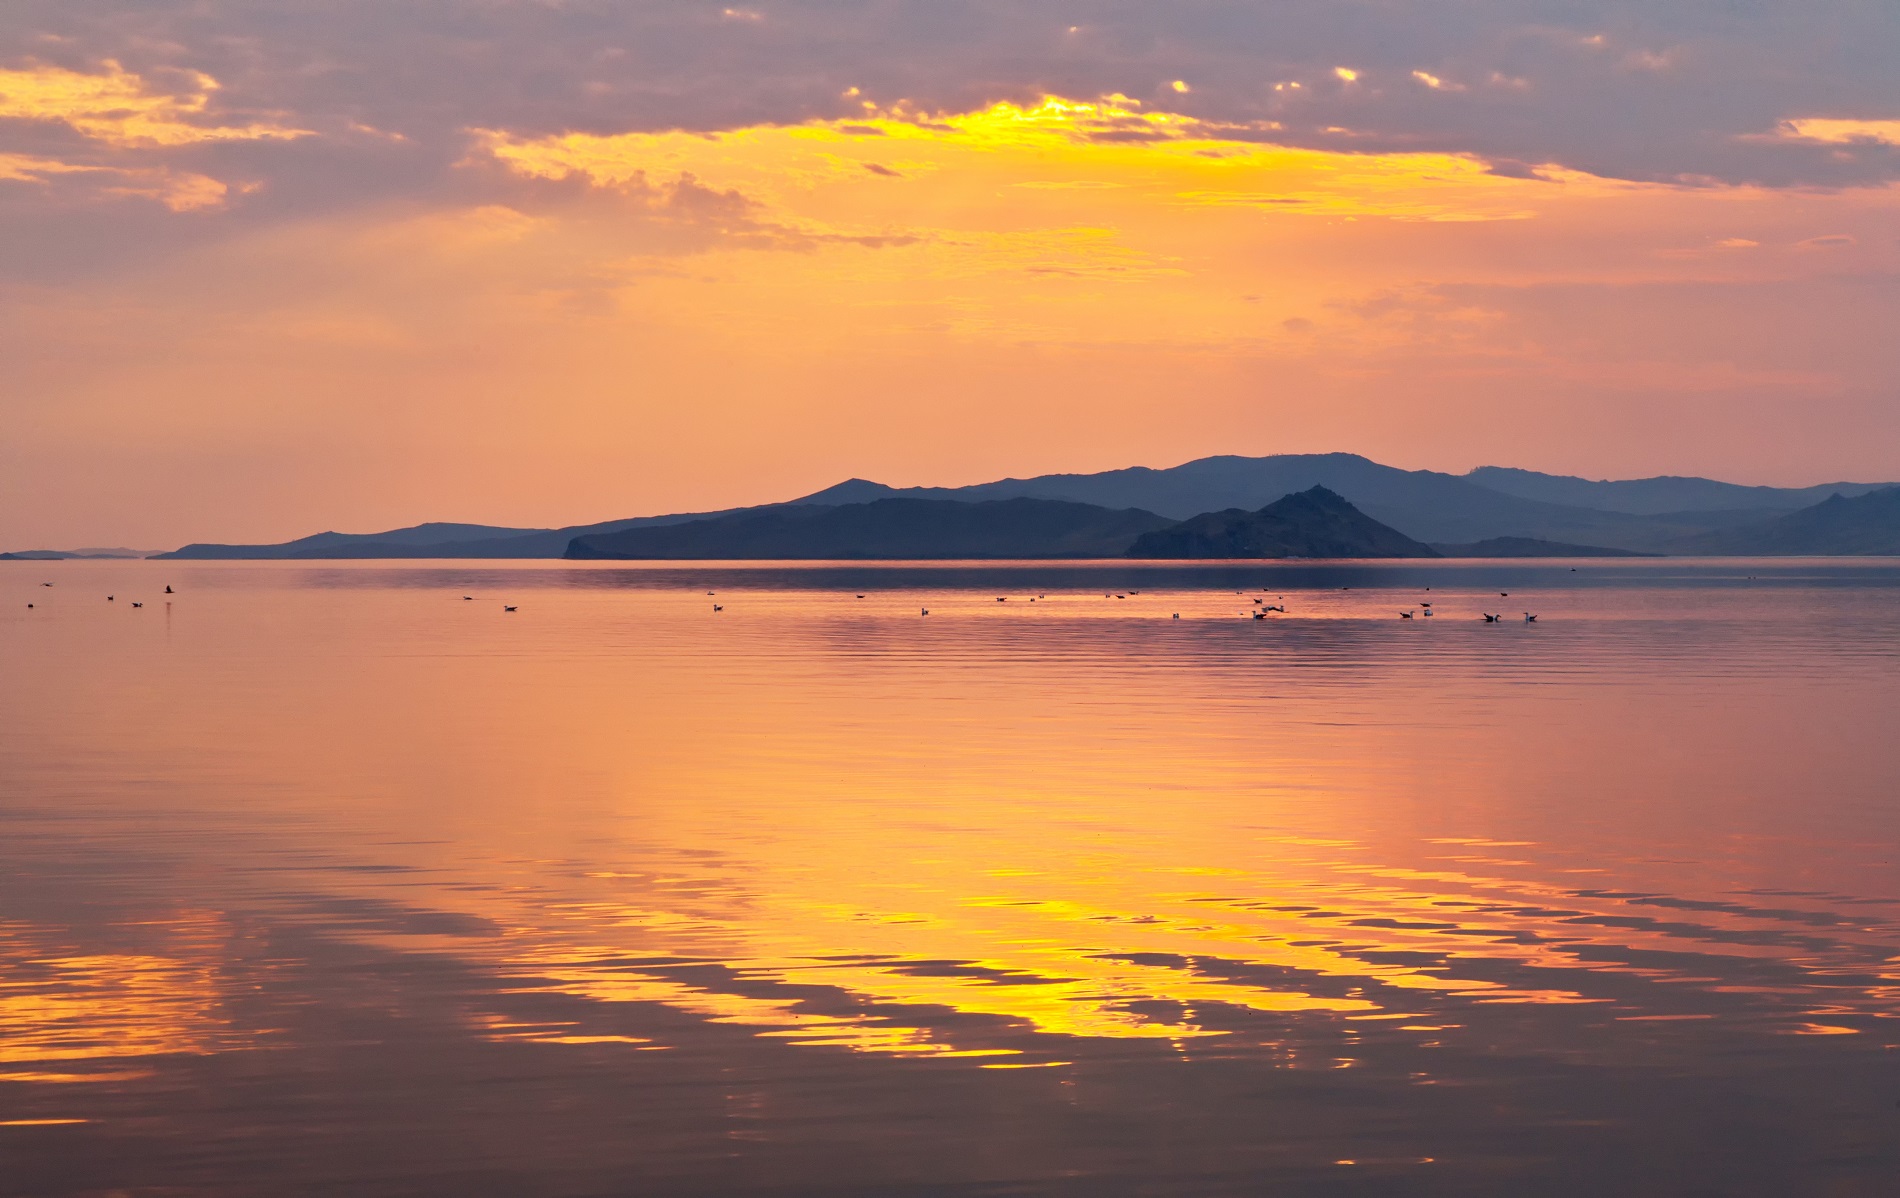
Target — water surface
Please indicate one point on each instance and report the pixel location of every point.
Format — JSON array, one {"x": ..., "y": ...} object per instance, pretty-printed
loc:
[{"x": 325, "y": 879}]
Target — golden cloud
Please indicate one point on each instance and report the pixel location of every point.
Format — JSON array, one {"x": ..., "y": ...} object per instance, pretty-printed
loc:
[
  {"x": 873, "y": 175},
  {"x": 121, "y": 109},
  {"x": 1828, "y": 129},
  {"x": 181, "y": 191}
]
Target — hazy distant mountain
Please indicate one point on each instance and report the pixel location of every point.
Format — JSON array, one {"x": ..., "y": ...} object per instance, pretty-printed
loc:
[
  {"x": 1312, "y": 523},
  {"x": 54, "y": 555},
  {"x": 438, "y": 540},
  {"x": 887, "y": 528},
  {"x": 1424, "y": 504},
  {"x": 1865, "y": 525},
  {"x": 428, "y": 541},
  {"x": 1655, "y": 496},
  {"x": 1653, "y": 515},
  {"x": 342, "y": 544},
  {"x": 1531, "y": 547}
]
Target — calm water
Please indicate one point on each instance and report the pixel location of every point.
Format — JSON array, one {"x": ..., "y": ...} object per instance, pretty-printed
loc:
[{"x": 321, "y": 879}]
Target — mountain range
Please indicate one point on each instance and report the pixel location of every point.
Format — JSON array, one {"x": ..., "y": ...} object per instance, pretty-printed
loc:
[{"x": 1490, "y": 510}]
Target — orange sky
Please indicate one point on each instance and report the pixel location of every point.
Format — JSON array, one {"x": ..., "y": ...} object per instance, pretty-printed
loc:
[{"x": 572, "y": 326}]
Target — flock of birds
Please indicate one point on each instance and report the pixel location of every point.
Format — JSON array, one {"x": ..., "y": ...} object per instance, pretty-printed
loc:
[
  {"x": 1489, "y": 617},
  {"x": 1264, "y": 608},
  {"x": 115, "y": 598}
]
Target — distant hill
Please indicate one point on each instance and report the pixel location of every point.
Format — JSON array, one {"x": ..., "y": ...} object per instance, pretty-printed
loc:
[
  {"x": 886, "y": 529},
  {"x": 1838, "y": 526},
  {"x": 1656, "y": 496},
  {"x": 55, "y": 555},
  {"x": 1531, "y": 547},
  {"x": 438, "y": 540},
  {"x": 1423, "y": 504},
  {"x": 1315, "y": 522},
  {"x": 1490, "y": 503},
  {"x": 398, "y": 542},
  {"x": 427, "y": 541}
]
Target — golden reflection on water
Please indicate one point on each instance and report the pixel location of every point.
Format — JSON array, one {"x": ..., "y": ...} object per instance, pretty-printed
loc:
[
  {"x": 62, "y": 1009},
  {"x": 1071, "y": 825}
]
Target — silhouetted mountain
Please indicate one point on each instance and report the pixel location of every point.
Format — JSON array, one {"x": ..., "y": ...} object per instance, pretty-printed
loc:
[
  {"x": 1663, "y": 494},
  {"x": 1311, "y": 523},
  {"x": 1865, "y": 525},
  {"x": 56, "y": 555},
  {"x": 1531, "y": 547},
  {"x": 398, "y": 542},
  {"x": 1423, "y": 504},
  {"x": 438, "y": 540},
  {"x": 887, "y": 528},
  {"x": 421, "y": 541}
]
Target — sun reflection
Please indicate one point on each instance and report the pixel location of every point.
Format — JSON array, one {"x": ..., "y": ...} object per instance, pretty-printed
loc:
[
  {"x": 57, "y": 1008},
  {"x": 798, "y": 840}
]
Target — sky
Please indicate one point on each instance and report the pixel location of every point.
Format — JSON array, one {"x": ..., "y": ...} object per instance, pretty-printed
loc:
[{"x": 269, "y": 267}]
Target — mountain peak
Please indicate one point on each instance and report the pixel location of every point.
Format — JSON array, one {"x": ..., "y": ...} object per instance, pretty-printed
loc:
[{"x": 1316, "y": 522}]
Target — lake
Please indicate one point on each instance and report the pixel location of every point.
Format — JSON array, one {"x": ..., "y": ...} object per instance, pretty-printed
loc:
[{"x": 709, "y": 879}]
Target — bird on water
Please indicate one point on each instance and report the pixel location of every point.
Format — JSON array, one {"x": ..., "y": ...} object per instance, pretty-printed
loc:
[
  {"x": 1491, "y": 619},
  {"x": 1529, "y": 618},
  {"x": 1405, "y": 615},
  {"x": 168, "y": 590},
  {"x": 505, "y": 607}
]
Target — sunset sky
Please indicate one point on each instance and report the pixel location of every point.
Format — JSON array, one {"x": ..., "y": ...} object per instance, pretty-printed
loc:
[{"x": 268, "y": 268}]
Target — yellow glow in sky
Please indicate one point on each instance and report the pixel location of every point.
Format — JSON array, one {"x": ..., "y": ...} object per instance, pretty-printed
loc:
[
  {"x": 1164, "y": 158},
  {"x": 616, "y": 324}
]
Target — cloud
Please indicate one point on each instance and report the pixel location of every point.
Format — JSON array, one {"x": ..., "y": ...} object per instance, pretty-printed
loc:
[
  {"x": 1561, "y": 86},
  {"x": 1842, "y": 132},
  {"x": 177, "y": 191},
  {"x": 120, "y": 109},
  {"x": 242, "y": 226},
  {"x": 109, "y": 134}
]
